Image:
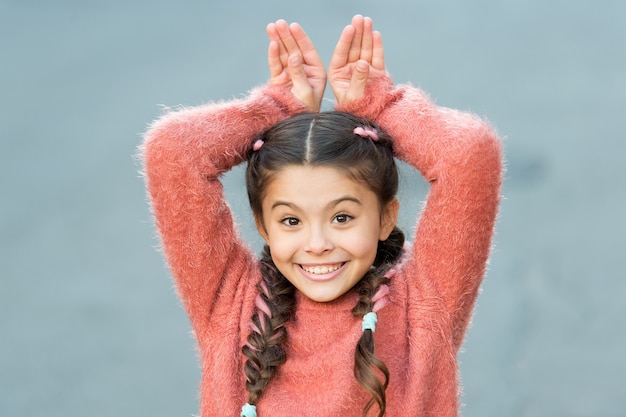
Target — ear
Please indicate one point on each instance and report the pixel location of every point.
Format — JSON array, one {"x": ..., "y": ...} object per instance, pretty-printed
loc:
[
  {"x": 388, "y": 218},
  {"x": 258, "y": 220}
]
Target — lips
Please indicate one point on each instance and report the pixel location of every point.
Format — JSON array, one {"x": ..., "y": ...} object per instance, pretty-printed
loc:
[{"x": 322, "y": 272}]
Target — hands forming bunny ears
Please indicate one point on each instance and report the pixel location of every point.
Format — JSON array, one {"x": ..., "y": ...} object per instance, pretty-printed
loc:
[{"x": 294, "y": 62}]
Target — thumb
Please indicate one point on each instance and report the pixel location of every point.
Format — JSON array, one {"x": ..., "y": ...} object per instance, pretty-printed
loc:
[
  {"x": 295, "y": 67},
  {"x": 301, "y": 88},
  {"x": 360, "y": 75}
]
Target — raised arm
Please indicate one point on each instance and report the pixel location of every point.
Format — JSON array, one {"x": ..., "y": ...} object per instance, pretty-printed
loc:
[
  {"x": 460, "y": 156},
  {"x": 186, "y": 151},
  {"x": 184, "y": 154}
]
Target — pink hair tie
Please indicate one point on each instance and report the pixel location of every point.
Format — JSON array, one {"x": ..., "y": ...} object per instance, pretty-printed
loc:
[
  {"x": 366, "y": 132},
  {"x": 381, "y": 298},
  {"x": 257, "y": 145}
]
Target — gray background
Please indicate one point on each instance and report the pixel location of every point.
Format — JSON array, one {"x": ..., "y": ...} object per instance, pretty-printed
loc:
[{"x": 89, "y": 323}]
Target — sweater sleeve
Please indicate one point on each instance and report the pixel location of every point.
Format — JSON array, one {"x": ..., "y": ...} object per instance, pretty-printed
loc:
[
  {"x": 184, "y": 153},
  {"x": 460, "y": 156}
]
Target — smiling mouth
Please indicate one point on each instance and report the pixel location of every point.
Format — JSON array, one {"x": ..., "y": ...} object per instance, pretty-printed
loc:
[{"x": 321, "y": 269}]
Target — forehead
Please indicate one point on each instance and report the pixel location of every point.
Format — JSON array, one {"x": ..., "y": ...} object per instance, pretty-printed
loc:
[{"x": 315, "y": 186}]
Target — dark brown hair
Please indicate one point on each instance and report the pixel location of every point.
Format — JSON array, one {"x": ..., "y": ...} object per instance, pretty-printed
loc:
[{"x": 319, "y": 139}]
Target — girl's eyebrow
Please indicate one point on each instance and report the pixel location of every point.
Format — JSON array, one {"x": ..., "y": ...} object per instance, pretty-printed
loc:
[
  {"x": 342, "y": 199},
  {"x": 283, "y": 203},
  {"x": 329, "y": 205}
]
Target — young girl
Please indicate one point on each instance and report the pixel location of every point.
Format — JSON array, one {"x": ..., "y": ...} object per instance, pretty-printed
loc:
[{"x": 339, "y": 317}]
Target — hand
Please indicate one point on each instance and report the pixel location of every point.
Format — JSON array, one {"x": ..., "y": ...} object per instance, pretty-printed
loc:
[
  {"x": 358, "y": 58},
  {"x": 294, "y": 63}
]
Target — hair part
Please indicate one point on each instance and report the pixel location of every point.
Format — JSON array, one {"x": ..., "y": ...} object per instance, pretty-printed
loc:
[
  {"x": 319, "y": 139},
  {"x": 323, "y": 139}
]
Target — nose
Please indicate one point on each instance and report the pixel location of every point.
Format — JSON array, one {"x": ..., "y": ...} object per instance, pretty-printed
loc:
[{"x": 318, "y": 241}]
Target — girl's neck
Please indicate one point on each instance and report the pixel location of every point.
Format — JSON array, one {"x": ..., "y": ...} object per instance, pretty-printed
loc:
[{"x": 345, "y": 302}]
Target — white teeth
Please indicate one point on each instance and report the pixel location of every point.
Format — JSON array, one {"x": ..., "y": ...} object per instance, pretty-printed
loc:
[{"x": 320, "y": 270}]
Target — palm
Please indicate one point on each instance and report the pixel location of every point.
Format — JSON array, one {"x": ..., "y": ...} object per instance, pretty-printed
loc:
[
  {"x": 357, "y": 59},
  {"x": 340, "y": 78}
]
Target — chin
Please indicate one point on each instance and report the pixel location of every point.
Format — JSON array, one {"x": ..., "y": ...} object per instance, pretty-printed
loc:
[{"x": 322, "y": 298}]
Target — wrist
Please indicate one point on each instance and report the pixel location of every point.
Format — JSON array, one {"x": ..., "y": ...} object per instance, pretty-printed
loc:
[
  {"x": 379, "y": 93},
  {"x": 282, "y": 96}
]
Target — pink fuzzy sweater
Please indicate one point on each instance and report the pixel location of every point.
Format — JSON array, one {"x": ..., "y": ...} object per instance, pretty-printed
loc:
[{"x": 419, "y": 332}]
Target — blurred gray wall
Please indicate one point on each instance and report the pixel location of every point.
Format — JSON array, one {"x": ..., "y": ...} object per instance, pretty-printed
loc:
[{"x": 89, "y": 322}]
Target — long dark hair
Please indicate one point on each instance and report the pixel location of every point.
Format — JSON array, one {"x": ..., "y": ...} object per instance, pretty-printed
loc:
[{"x": 319, "y": 139}]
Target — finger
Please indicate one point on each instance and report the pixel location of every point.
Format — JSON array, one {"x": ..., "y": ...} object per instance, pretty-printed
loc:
[
  {"x": 291, "y": 46},
  {"x": 355, "y": 48},
  {"x": 340, "y": 54},
  {"x": 273, "y": 60},
  {"x": 271, "y": 31},
  {"x": 367, "y": 40},
  {"x": 273, "y": 35},
  {"x": 378, "y": 53},
  {"x": 309, "y": 53},
  {"x": 301, "y": 88},
  {"x": 360, "y": 74}
]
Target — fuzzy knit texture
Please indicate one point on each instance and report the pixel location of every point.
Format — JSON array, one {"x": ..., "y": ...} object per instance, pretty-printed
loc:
[{"x": 419, "y": 331}]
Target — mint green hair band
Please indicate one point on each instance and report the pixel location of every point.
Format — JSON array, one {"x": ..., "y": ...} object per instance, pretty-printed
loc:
[
  {"x": 369, "y": 321},
  {"x": 248, "y": 410}
]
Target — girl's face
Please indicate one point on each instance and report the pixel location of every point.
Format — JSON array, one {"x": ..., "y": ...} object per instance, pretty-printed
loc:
[{"x": 323, "y": 228}]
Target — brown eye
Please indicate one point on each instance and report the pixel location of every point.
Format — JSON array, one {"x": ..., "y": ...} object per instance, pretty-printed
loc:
[
  {"x": 342, "y": 218},
  {"x": 290, "y": 221}
]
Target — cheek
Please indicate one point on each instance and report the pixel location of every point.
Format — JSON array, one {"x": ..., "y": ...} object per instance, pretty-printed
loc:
[
  {"x": 282, "y": 245},
  {"x": 364, "y": 244}
]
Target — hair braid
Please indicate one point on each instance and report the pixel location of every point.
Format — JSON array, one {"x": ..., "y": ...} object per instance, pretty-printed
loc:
[
  {"x": 367, "y": 366},
  {"x": 265, "y": 347}
]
